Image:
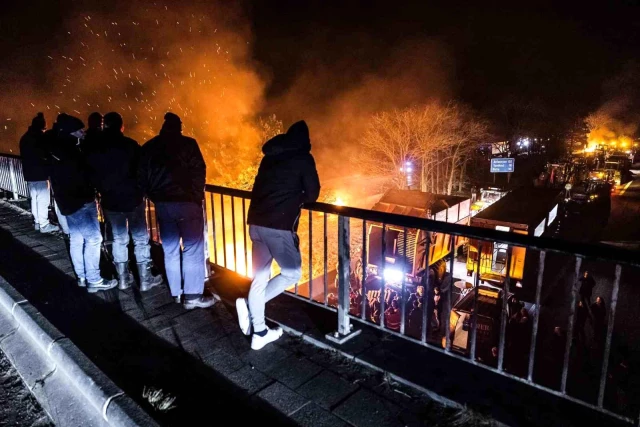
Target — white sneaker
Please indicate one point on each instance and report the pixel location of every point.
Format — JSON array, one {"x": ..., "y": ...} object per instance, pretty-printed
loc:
[
  {"x": 243, "y": 316},
  {"x": 257, "y": 342},
  {"x": 49, "y": 228}
]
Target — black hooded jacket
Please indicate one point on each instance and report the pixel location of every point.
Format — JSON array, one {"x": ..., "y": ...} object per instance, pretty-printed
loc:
[
  {"x": 71, "y": 186},
  {"x": 112, "y": 163},
  {"x": 33, "y": 153},
  {"x": 172, "y": 169},
  {"x": 286, "y": 179}
]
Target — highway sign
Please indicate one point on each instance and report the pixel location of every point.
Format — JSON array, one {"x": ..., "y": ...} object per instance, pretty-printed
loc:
[{"x": 500, "y": 165}]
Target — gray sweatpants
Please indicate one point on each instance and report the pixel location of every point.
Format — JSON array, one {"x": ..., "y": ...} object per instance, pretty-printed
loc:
[{"x": 270, "y": 244}]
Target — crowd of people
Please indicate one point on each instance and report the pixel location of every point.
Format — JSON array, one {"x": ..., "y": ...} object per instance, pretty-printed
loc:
[{"x": 101, "y": 171}]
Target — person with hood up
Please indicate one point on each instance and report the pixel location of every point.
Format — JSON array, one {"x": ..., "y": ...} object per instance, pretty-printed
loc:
[
  {"x": 287, "y": 178},
  {"x": 172, "y": 174},
  {"x": 112, "y": 163},
  {"x": 76, "y": 200},
  {"x": 36, "y": 173}
]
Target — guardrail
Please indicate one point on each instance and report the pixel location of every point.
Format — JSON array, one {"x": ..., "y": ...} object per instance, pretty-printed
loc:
[
  {"x": 411, "y": 278},
  {"x": 11, "y": 177}
]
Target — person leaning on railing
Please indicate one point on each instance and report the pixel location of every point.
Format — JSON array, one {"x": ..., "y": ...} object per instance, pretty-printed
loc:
[
  {"x": 172, "y": 174},
  {"x": 36, "y": 172},
  {"x": 287, "y": 178}
]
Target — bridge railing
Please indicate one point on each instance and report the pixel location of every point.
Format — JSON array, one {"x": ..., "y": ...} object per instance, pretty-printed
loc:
[
  {"x": 509, "y": 303},
  {"x": 11, "y": 177}
]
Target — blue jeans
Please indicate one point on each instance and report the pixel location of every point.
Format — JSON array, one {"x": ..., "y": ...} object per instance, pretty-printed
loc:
[
  {"x": 121, "y": 224},
  {"x": 270, "y": 244},
  {"x": 85, "y": 241},
  {"x": 182, "y": 220},
  {"x": 40, "y": 201}
]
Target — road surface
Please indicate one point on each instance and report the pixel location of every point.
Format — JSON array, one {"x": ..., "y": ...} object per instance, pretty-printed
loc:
[{"x": 17, "y": 406}]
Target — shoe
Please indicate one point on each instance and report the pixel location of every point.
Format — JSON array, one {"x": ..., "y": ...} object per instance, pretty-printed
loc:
[
  {"x": 82, "y": 282},
  {"x": 177, "y": 299},
  {"x": 37, "y": 227},
  {"x": 103, "y": 285},
  {"x": 125, "y": 278},
  {"x": 49, "y": 228},
  {"x": 202, "y": 302},
  {"x": 243, "y": 316},
  {"x": 257, "y": 342},
  {"x": 147, "y": 279}
]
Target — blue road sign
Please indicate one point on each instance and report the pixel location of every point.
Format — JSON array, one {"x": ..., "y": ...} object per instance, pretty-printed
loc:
[{"x": 500, "y": 165}]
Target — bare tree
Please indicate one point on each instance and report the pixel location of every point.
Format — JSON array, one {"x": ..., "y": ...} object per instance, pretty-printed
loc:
[{"x": 437, "y": 138}]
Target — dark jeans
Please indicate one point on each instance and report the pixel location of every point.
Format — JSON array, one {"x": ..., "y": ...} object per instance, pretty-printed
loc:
[{"x": 183, "y": 220}]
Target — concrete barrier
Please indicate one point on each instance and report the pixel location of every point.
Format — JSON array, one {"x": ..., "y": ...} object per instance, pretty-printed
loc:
[{"x": 49, "y": 363}]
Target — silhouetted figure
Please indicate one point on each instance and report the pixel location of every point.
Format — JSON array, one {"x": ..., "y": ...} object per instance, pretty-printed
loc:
[
  {"x": 76, "y": 198},
  {"x": 95, "y": 125},
  {"x": 112, "y": 162},
  {"x": 586, "y": 288},
  {"x": 415, "y": 318},
  {"x": 599, "y": 313},
  {"x": 35, "y": 170},
  {"x": 287, "y": 178},
  {"x": 582, "y": 314},
  {"x": 172, "y": 174},
  {"x": 392, "y": 316}
]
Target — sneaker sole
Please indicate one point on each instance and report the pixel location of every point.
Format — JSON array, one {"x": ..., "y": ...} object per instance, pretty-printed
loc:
[
  {"x": 95, "y": 290},
  {"x": 243, "y": 313}
]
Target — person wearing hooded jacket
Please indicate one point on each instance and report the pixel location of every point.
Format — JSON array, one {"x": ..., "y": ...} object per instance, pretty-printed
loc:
[
  {"x": 50, "y": 136},
  {"x": 36, "y": 173},
  {"x": 287, "y": 178},
  {"x": 76, "y": 200},
  {"x": 172, "y": 174},
  {"x": 112, "y": 162}
]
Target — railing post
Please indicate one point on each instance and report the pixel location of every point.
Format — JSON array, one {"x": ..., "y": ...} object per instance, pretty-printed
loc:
[
  {"x": 344, "y": 332},
  {"x": 207, "y": 266},
  {"x": 14, "y": 181}
]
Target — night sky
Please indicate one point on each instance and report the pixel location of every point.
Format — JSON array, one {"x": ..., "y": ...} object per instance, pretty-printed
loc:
[{"x": 557, "y": 56}]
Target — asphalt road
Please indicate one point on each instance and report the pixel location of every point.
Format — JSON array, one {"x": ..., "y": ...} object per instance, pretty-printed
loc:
[
  {"x": 623, "y": 227},
  {"x": 17, "y": 406}
]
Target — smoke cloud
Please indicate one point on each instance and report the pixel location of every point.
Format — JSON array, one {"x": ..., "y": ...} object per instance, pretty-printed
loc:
[{"x": 142, "y": 61}]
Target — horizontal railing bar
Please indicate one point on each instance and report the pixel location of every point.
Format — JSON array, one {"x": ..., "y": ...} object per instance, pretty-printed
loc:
[
  {"x": 589, "y": 250},
  {"x": 13, "y": 156}
]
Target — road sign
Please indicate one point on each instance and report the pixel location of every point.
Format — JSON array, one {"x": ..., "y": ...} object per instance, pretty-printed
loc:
[{"x": 500, "y": 165}]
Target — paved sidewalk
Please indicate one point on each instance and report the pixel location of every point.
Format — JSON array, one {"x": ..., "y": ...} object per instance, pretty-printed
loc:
[{"x": 201, "y": 357}]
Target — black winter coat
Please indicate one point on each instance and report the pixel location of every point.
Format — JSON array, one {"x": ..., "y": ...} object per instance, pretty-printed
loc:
[
  {"x": 69, "y": 180},
  {"x": 172, "y": 169},
  {"x": 112, "y": 164},
  {"x": 33, "y": 153},
  {"x": 286, "y": 179}
]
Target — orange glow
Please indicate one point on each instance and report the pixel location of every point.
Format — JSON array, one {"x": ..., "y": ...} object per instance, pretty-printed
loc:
[{"x": 339, "y": 202}]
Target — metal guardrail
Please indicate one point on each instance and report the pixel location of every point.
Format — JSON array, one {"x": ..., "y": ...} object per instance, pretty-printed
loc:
[
  {"x": 11, "y": 177},
  {"x": 359, "y": 290}
]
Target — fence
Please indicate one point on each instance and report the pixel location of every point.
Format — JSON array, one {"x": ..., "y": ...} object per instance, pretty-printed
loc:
[
  {"x": 11, "y": 177},
  {"x": 408, "y": 276}
]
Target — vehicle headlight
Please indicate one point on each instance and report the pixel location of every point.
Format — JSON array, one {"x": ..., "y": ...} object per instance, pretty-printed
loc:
[{"x": 391, "y": 275}]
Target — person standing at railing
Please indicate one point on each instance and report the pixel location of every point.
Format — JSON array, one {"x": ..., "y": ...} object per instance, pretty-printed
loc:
[
  {"x": 287, "y": 178},
  {"x": 36, "y": 173},
  {"x": 95, "y": 124},
  {"x": 112, "y": 163},
  {"x": 76, "y": 199},
  {"x": 172, "y": 174}
]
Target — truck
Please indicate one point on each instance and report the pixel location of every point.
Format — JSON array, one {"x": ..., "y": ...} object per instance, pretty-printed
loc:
[
  {"x": 527, "y": 211},
  {"x": 414, "y": 261}
]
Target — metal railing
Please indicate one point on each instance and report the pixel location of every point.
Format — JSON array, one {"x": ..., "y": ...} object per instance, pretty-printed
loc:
[
  {"x": 11, "y": 177},
  {"x": 589, "y": 356},
  {"x": 386, "y": 270}
]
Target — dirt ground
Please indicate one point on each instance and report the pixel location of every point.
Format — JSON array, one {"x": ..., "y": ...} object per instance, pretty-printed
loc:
[{"x": 17, "y": 406}]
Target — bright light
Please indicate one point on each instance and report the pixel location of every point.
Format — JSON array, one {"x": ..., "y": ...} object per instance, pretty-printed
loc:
[
  {"x": 339, "y": 201},
  {"x": 391, "y": 275},
  {"x": 526, "y": 142},
  {"x": 409, "y": 169}
]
